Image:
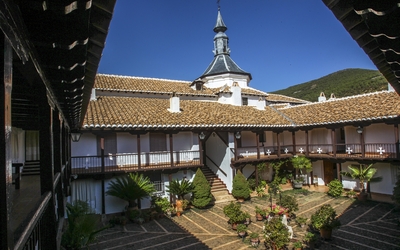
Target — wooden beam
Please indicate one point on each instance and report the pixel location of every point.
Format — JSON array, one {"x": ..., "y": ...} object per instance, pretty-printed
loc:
[{"x": 6, "y": 234}]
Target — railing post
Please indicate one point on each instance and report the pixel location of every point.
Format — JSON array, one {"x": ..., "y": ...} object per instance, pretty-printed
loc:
[
  {"x": 171, "y": 148},
  {"x": 139, "y": 151},
  {"x": 258, "y": 145}
]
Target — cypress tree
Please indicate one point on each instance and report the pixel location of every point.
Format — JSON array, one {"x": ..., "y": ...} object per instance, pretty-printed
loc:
[
  {"x": 202, "y": 190},
  {"x": 240, "y": 186}
]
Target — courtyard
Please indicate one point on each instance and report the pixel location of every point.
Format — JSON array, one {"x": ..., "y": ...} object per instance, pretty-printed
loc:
[{"x": 365, "y": 225}]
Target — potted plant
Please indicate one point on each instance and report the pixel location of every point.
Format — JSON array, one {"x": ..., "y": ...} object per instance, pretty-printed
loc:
[
  {"x": 276, "y": 210},
  {"x": 201, "y": 190},
  {"x": 241, "y": 230},
  {"x": 364, "y": 174},
  {"x": 248, "y": 218},
  {"x": 298, "y": 182},
  {"x": 276, "y": 233},
  {"x": 301, "y": 221},
  {"x": 303, "y": 165},
  {"x": 180, "y": 189},
  {"x": 234, "y": 213},
  {"x": 240, "y": 187},
  {"x": 132, "y": 188},
  {"x": 254, "y": 239},
  {"x": 324, "y": 219},
  {"x": 163, "y": 204},
  {"x": 260, "y": 213},
  {"x": 260, "y": 190},
  {"x": 351, "y": 193},
  {"x": 298, "y": 245},
  {"x": 310, "y": 239},
  {"x": 335, "y": 188}
]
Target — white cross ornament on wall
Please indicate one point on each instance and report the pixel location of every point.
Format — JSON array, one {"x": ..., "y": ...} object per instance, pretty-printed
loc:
[
  {"x": 319, "y": 150},
  {"x": 301, "y": 150},
  {"x": 380, "y": 150},
  {"x": 268, "y": 152},
  {"x": 286, "y": 150},
  {"x": 349, "y": 150}
]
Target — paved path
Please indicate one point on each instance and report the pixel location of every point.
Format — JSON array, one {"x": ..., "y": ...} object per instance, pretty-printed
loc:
[{"x": 369, "y": 225}]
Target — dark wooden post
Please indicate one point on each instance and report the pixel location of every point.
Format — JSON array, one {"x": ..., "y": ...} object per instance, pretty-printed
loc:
[
  {"x": 57, "y": 160},
  {"x": 201, "y": 149},
  {"x": 258, "y": 145},
  {"x": 279, "y": 144},
  {"x": 294, "y": 142},
  {"x": 46, "y": 146},
  {"x": 139, "y": 151},
  {"x": 338, "y": 170},
  {"x": 171, "y": 149},
  {"x": 6, "y": 234},
  {"x": 396, "y": 140},
  {"x": 235, "y": 145},
  {"x": 103, "y": 196},
  {"x": 362, "y": 144},
  {"x": 333, "y": 136},
  {"x": 307, "y": 150}
]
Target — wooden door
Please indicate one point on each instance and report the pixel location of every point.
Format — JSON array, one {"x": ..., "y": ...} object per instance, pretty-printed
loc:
[{"x": 329, "y": 174}]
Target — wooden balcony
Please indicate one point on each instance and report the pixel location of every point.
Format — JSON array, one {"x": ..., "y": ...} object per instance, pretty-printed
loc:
[
  {"x": 132, "y": 162},
  {"x": 368, "y": 151}
]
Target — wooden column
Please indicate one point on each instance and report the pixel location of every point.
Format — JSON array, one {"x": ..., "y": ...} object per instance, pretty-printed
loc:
[
  {"x": 171, "y": 149},
  {"x": 307, "y": 154},
  {"x": 46, "y": 146},
  {"x": 201, "y": 149},
  {"x": 57, "y": 124},
  {"x": 333, "y": 138},
  {"x": 338, "y": 170},
  {"x": 139, "y": 151},
  {"x": 294, "y": 142},
  {"x": 396, "y": 140},
  {"x": 235, "y": 142},
  {"x": 6, "y": 234},
  {"x": 258, "y": 145},
  {"x": 103, "y": 196},
  {"x": 362, "y": 145},
  {"x": 279, "y": 144}
]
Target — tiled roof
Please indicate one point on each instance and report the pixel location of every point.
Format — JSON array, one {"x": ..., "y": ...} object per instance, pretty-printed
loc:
[
  {"x": 147, "y": 85},
  {"x": 246, "y": 91},
  {"x": 284, "y": 99},
  {"x": 367, "y": 107},
  {"x": 152, "y": 113}
]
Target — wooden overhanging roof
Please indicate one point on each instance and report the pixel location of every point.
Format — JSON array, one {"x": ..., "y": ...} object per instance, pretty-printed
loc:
[
  {"x": 375, "y": 26},
  {"x": 57, "y": 48}
]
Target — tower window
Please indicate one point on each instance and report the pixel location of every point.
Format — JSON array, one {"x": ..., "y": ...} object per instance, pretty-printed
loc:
[{"x": 245, "y": 101}]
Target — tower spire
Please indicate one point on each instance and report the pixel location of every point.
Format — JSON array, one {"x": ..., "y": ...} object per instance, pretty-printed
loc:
[{"x": 220, "y": 39}]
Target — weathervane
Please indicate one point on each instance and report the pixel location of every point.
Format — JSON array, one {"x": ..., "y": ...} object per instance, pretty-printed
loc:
[{"x": 218, "y": 4}]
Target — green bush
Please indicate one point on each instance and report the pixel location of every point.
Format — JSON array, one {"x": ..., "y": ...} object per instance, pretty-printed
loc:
[
  {"x": 325, "y": 218},
  {"x": 234, "y": 213},
  {"x": 240, "y": 187},
  {"x": 289, "y": 202},
  {"x": 275, "y": 232},
  {"x": 201, "y": 190},
  {"x": 252, "y": 184},
  {"x": 335, "y": 188},
  {"x": 180, "y": 188}
]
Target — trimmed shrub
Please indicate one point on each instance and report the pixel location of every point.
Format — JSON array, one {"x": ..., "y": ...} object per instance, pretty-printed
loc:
[
  {"x": 335, "y": 188},
  {"x": 202, "y": 190},
  {"x": 240, "y": 186},
  {"x": 289, "y": 202}
]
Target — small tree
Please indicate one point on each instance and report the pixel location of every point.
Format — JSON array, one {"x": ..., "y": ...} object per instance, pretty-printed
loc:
[
  {"x": 202, "y": 190},
  {"x": 276, "y": 233},
  {"x": 363, "y": 173},
  {"x": 302, "y": 163},
  {"x": 180, "y": 188},
  {"x": 240, "y": 187}
]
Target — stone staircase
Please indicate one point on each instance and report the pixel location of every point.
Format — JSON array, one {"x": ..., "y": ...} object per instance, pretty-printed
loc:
[
  {"x": 31, "y": 168},
  {"x": 218, "y": 188}
]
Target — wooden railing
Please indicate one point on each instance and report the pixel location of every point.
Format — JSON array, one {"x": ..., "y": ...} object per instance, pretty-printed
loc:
[
  {"x": 348, "y": 150},
  {"x": 133, "y": 162}
]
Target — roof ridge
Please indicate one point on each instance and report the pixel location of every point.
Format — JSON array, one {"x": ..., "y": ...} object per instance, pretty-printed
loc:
[
  {"x": 340, "y": 99},
  {"x": 283, "y": 115},
  {"x": 289, "y": 97},
  {"x": 142, "y": 77}
]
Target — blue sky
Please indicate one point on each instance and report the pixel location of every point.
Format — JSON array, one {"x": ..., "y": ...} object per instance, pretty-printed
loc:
[{"x": 281, "y": 43}]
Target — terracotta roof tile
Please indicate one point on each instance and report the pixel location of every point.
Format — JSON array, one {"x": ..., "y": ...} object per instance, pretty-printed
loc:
[
  {"x": 147, "y": 85},
  {"x": 284, "y": 99},
  {"x": 373, "y": 106},
  {"x": 131, "y": 112}
]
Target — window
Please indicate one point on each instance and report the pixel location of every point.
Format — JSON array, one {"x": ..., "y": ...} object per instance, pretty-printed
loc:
[
  {"x": 245, "y": 101},
  {"x": 158, "y": 142}
]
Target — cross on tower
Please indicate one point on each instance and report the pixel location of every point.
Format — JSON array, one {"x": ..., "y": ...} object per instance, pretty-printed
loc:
[
  {"x": 349, "y": 150},
  {"x": 380, "y": 150},
  {"x": 319, "y": 150}
]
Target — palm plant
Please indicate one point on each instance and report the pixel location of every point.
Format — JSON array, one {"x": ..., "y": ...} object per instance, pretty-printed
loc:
[
  {"x": 362, "y": 173},
  {"x": 180, "y": 188},
  {"x": 131, "y": 187}
]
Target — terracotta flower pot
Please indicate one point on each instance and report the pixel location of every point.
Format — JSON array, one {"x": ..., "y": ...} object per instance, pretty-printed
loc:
[
  {"x": 326, "y": 234},
  {"x": 259, "y": 217}
]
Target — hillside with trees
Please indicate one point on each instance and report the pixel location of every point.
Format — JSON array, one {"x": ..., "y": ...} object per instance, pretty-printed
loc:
[{"x": 341, "y": 83}]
